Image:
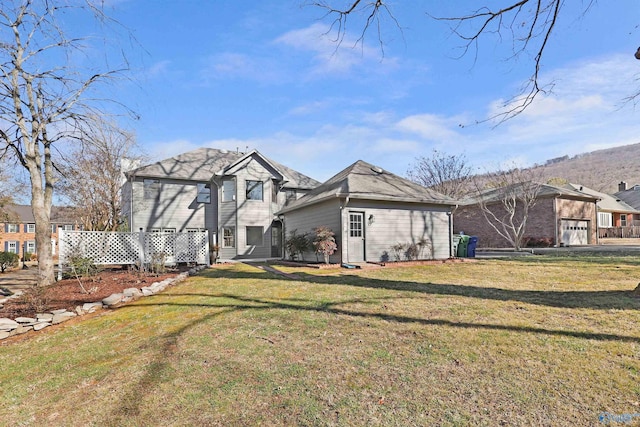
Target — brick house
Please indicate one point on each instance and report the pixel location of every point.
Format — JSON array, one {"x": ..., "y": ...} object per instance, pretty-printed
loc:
[
  {"x": 18, "y": 232},
  {"x": 560, "y": 217}
]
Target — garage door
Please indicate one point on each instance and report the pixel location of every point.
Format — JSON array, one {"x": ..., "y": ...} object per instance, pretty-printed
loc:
[{"x": 575, "y": 232}]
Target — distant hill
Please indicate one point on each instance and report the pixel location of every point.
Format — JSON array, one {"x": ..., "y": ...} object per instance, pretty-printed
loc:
[{"x": 600, "y": 170}]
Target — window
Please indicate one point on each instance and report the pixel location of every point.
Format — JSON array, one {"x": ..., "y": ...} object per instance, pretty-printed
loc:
[
  {"x": 31, "y": 228},
  {"x": 228, "y": 190},
  {"x": 204, "y": 194},
  {"x": 604, "y": 219},
  {"x": 355, "y": 225},
  {"x": 67, "y": 227},
  {"x": 194, "y": 230},
  {"x": 623, "y": 220},
  {"x": 151, "y": 189},
  {"x": 274, "y": 192},
  {"x": 254, "y": 190},
  {"x": 168, "y": 230},
  {"x": 156, "y": 230},
  {"x": 13, "y": 228},
  {"x": 31, "y": 246},
  {"x": 54, "y": 229},
  {"x": 228, "y": 237},
  {"x": 12, "y": 247},
  {"x": 254, "y": 236}
]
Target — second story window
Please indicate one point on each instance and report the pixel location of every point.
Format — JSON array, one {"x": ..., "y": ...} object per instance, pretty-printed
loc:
[
  {"x": 151, "y": 189},
  {"x": 228, "y": 190},
  {"x": 204, "y": 194},
  {"x": 13, "y": 228},
  {"x": 31, "y": 228},
  {"x": 254, "y": 190}
]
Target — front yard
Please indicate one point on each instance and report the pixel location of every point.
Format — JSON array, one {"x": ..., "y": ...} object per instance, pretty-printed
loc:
[{"x": 532, "y": 341}]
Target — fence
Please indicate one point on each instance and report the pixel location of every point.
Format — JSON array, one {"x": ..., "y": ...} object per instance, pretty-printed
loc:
[
  {"x": 631, "y": 231},
  {"x": 116, "y": 248}
]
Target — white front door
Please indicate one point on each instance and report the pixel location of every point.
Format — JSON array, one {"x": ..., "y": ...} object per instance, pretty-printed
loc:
[{"x": 356, "y": 237}]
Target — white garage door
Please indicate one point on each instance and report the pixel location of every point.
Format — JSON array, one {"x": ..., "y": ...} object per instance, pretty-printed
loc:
[{"x": 575, "y": 232}]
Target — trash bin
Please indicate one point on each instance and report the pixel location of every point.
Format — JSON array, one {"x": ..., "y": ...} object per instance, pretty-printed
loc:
[
  {"x": 462, "y": 246},
  {"x": 471, "y": 247},
  {"x": 456, "y": 242}
]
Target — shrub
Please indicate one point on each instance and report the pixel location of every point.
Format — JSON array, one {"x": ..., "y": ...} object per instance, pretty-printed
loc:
[
  {"x": 297, "y": 244},
  {"x": 538, "y": 242},
  {"x": 8, "y": 260},
  {"x": 158, "y": 261},
  {"x": 325, "y": 242},
  {"x": 398, "y": 250},
  {"x": 82, "y": 266}
]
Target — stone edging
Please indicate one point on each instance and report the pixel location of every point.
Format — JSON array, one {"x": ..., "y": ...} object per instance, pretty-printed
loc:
[{"x": 21, "y": 325}]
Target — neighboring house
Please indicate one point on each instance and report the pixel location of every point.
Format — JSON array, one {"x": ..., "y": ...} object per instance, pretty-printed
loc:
[
  {"x": 18, "y": 233},
  {"x": 231, "y": 194},
  {"x": 560, "y": 216},
  {"x": 370, "y": 210},
  {"x": 615, "y": 217},
  {"x": 631, "y": 196}
]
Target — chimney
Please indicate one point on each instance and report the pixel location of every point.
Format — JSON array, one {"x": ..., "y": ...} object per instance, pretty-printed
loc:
[{"x": 622, "y": 186}]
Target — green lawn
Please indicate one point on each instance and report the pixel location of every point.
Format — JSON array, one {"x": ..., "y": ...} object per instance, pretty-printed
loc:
[{"x": 530, "y": 341}]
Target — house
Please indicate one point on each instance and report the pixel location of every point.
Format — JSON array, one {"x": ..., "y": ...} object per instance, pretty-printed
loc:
[
  {"x": 375, "y": 215},
  {"x": 615, "y": 217},
  {"x": 560, "y": 216},
  {"x": 630, "y": 196},
  {"x": 233, "y": 195},
  {"x": 18, "y": 232}
]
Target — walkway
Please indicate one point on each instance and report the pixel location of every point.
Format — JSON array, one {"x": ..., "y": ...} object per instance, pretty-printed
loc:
[{"x": 19, "y": 278}]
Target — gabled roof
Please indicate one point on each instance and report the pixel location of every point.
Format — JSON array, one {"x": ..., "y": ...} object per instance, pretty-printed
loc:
[
  {"x": 492, "y": 195},
  {"x": 202, "y": 164},
  {"x": 630, "y": 196},
  {"x": 362, "y": 180},
  {"x": 23, "y": 214},
  {"x": 607, "y": 202}
]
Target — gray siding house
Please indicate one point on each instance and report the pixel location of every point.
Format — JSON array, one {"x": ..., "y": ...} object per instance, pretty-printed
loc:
[
  {"x": 371, "y": 210},
  {"x": 233, "y": 195}
]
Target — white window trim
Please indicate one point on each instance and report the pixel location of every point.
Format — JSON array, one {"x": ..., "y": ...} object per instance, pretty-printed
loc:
[{"x": 233, "y": 235}]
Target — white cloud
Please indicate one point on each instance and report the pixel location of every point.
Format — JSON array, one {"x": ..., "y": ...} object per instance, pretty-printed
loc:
[
  {"x": 329, "y": 57},
  {"x": 430, "y": 126},
  {"x": 230, "y": 65}
]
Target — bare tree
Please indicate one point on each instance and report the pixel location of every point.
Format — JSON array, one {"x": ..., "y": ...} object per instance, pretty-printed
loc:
[
  {"x": 44, "y": 99},
  {"x": 93, "y": 176},
  {"x": 525, "y": 25},
  {"x": 447, "y": 174},
  {"x": 505, "y": 199},
  {"x": 6, "y": 197}
]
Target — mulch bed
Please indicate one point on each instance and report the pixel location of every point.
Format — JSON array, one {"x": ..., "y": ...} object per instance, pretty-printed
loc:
[{"x": 68, "y": 293}]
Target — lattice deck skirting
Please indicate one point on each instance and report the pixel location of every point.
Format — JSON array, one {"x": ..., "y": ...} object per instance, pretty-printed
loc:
[{"x": 113, "y": 247}]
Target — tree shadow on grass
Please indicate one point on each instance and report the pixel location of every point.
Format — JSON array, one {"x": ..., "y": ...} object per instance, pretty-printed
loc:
[
  {"x": 601, "y": 300},
  {"x": 226, "y": 303}
]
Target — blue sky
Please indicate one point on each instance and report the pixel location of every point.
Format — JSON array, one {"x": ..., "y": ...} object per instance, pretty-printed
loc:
[{"x": 264, "y": 75}]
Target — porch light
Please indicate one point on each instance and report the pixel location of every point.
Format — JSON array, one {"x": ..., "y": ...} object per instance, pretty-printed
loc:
[{"x": 371, "y": 219}]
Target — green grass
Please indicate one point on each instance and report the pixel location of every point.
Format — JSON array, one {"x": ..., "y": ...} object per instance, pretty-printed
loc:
[{"x": 531, "y": 341}]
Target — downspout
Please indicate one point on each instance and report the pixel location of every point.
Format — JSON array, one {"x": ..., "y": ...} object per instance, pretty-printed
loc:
[{"x": 131, "y": 227}]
